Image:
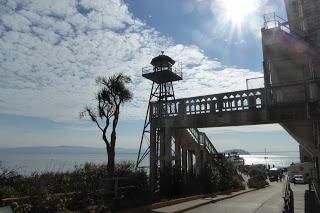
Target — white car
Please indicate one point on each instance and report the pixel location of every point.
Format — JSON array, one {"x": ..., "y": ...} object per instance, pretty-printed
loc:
[{"x": 298, "y": 179}]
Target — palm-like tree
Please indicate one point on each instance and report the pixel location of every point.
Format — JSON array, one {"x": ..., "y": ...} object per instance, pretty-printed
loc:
[{"x": 112, "y": 94}]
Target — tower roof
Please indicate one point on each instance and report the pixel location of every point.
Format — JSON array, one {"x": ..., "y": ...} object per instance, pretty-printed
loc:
[{"x": 162, "y": 59}]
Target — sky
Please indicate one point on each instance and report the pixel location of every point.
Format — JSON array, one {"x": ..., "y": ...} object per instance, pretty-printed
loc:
[{"x": 52, "y": 51}]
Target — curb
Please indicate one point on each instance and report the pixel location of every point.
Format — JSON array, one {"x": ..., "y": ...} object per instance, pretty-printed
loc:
[
  {"x": 163, "y": 204},
  {"x": 212, "y": 201},
  {"x": 217, "y": 200}
]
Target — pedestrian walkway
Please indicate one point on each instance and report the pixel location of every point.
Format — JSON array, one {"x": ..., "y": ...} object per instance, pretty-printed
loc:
[
  {"x": 299, "y": 191},
  {"x": 198, "y": 202},
  {"x": 267, "y": 200}
]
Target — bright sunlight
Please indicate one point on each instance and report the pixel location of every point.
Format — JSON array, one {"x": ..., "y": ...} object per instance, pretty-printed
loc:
[{"x": 237, "y": 10}]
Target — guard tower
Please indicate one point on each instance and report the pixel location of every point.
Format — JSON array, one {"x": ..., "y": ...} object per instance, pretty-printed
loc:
[{"x": 153, "y": 141}]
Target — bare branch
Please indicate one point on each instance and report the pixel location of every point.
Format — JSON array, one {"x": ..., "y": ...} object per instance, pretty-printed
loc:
[{"x": 92, "y": 115}]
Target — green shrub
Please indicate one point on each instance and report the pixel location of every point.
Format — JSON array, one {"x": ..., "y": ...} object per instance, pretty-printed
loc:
[
  {"x": 256, "y": 182},
  {"x": 258, "y": 176},
  {"x": 237, "y": 183},
  {"x": 90, "y": 183}
]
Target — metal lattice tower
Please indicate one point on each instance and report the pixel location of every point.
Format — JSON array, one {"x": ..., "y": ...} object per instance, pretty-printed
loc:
[{"x": 162, "y": 74}]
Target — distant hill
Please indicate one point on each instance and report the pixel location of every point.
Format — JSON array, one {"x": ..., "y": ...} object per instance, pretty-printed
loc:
[
  {"x": 64, "y": 150},
  {"x": 239, "y": 151}
]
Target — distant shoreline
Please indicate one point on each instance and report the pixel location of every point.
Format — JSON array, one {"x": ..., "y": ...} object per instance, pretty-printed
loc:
[{"x": 64, "y": 149}]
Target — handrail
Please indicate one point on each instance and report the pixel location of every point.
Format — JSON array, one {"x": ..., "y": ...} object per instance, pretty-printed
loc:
[
  {"x": 202, "y": 139},
  {"x": 316, "y": 190},
  {"x": 278, "y": 22},
  {"x": 288, "y": 206}
]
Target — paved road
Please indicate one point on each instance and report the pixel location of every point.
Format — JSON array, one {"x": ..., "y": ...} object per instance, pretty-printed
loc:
[{"x": 267, "y": 200}]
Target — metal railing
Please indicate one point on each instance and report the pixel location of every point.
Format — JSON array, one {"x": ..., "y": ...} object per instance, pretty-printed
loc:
[
  {"x": 175, "y": 69},
  {"x": 272, "y": 20},
  {"x": 224, "y": 102}
]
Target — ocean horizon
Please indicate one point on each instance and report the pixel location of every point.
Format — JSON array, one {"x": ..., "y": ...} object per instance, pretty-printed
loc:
[{"x": 60, "y": 159}]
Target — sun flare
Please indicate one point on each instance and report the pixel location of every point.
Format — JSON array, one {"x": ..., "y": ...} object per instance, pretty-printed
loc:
[{"x": 236, "y": 11}]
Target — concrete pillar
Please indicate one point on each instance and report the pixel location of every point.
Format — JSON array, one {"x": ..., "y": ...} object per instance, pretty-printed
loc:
[
  {"x": 166, "y": 161},
  {"x": 220, "y": 103},
  {"x": 177, "y": 136},
  {"x": 162, "y": 148},
  {"x": 168, "y": 152},
  {"x": 177, "y": 181},
  {"x": 190, "y": 162},
  {"x": 304, "y": 155},
  {"x": 251, "y": 102},
  {"x": 184, "y": 163},
  {"x": 153, "y": 158},
  {"x": 182, "y": 108},
  {"x": 198, "y": 163}
]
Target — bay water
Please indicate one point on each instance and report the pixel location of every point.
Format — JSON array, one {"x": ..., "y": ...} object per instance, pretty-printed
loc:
[{"x": 26, "y": 163}]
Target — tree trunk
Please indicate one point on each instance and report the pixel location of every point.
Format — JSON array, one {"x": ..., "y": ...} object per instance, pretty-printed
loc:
[
  {"x": 110, "y": 164},
  {"x": 111, "y": 151}
]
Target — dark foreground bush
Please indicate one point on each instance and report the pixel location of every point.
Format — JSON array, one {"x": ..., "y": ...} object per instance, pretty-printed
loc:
[
  {"x": 88, "y": 185},
  {"x": 88, "y": 188}
]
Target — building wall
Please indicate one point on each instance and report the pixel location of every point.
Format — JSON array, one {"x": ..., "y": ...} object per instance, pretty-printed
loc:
[{"x": 304, "y": 19}]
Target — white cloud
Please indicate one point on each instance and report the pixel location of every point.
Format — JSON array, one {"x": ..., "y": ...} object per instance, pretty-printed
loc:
[{"x": 52, "y": 51}]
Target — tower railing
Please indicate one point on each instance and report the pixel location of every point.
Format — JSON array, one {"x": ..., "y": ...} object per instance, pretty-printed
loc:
[{"x": 175, "y": 69}]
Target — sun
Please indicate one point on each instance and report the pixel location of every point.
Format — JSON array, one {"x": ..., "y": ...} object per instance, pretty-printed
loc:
[{"x": 236, "y": 11}]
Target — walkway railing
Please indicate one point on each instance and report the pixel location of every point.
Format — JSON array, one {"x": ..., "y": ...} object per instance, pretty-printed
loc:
[
  {"x": 315, "y": 186},
  {"x": 203, "y": 140},
  {"x": 224, "y": 102},
  {"x": 288, "y": 198}
]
